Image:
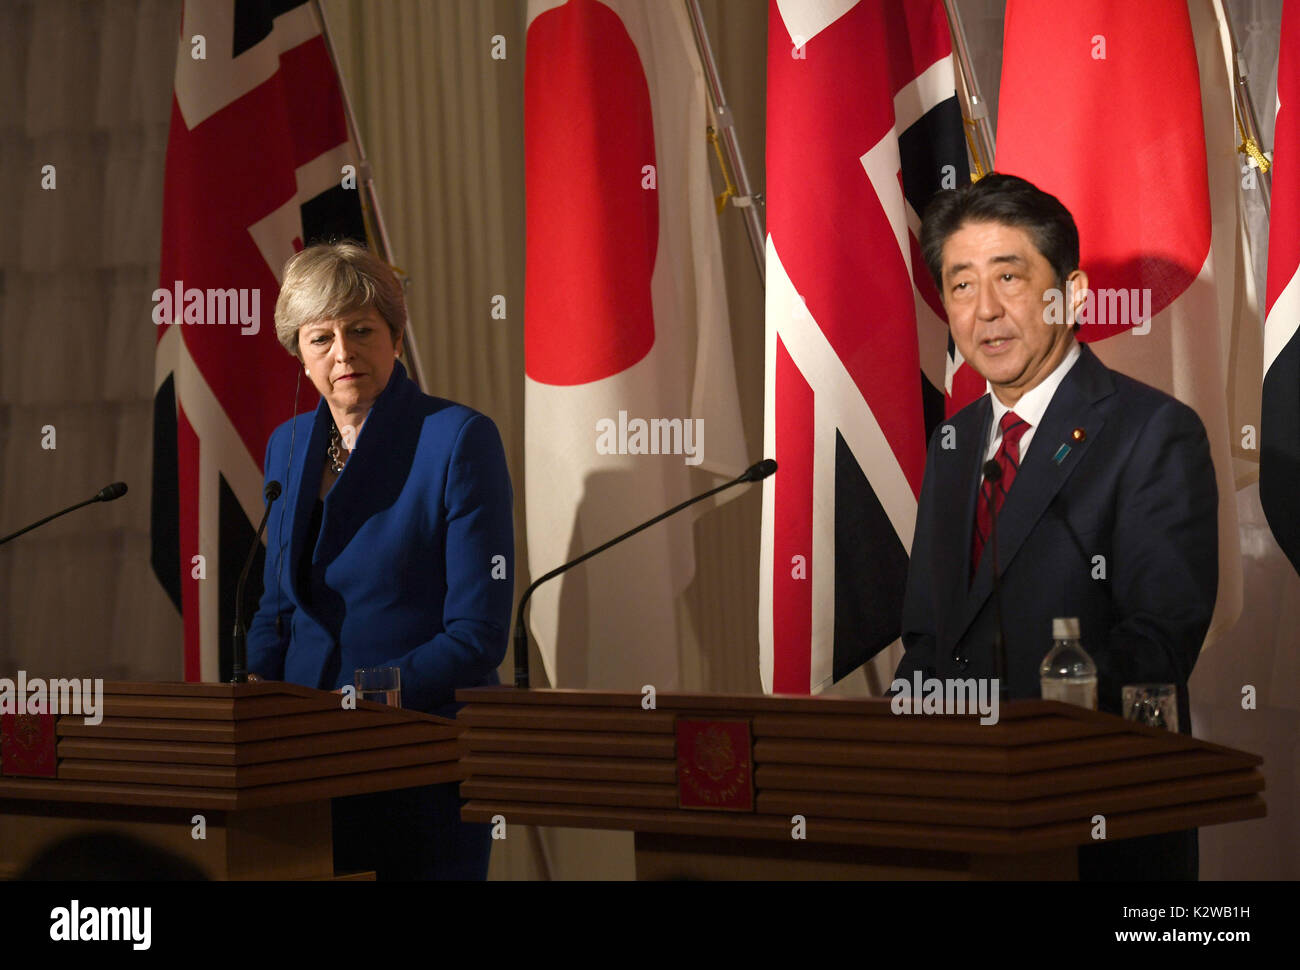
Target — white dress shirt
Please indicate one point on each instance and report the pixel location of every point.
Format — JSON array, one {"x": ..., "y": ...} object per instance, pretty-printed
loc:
[{"x": 1032, "y": 405}]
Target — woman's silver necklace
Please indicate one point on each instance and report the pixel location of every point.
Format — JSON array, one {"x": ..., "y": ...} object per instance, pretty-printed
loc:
[{"x": 336, "y": 449}]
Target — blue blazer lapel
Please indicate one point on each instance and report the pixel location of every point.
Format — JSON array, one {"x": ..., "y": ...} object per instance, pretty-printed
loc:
[
  {"x": 308, "y": 466},
  {"x": 1041, "y": 476},
  {"x": 373, "y": 478}
]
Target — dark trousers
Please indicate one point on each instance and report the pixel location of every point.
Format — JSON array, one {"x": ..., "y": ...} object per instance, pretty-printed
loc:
[
  {"x": 1167, "y": 856},
  {"x": 410, "y": 834}
]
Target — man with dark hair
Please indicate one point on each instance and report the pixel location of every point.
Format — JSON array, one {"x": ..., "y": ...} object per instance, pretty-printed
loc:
[{"x": 1107, "y": 509}]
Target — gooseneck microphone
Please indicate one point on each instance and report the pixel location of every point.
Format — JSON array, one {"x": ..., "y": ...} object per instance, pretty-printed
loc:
[
  {"x": 106, "y": 494},
  {"x": 993, "y": 475},
  {"x": 239, "y": 639},
  {"x": 754, "y": 473}
]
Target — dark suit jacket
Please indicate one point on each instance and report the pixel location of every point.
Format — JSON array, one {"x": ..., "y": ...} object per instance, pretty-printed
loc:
[
  {"x": 405, "y": 570},
  {"x": 1138, "y": 490}
]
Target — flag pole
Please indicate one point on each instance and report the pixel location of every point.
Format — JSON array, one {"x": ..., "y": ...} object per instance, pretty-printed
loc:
[
  {"x": 977, "y": 109},
  {"x": 745, "y": 197},
  {"x": 1247, "y": 124},
  {"x": 369, "y": 198}
]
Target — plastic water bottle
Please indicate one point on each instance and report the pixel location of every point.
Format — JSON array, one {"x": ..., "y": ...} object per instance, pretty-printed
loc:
[{"x": 1067, "y": 673}]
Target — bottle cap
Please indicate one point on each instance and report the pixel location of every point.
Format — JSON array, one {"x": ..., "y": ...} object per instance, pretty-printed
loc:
[{"x": 1065, "y": 628}]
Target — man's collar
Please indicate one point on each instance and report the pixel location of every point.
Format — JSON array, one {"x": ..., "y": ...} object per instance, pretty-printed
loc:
[{"x": 1033, "y": 403}]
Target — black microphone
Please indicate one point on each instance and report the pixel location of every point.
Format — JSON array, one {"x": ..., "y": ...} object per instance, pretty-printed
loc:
[
  {"x": 993, "y": 475},
  {"x": 754, "y": 473},
  {"x": 757, "y": 472},
  {"x": 239, "y": 640},
  {"x": 110, "y": 492},
  {"x": 106, "y": 494}
]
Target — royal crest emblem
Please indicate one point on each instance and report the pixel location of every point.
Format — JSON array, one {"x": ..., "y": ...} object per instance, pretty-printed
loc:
[{"x": 715, "y": 765}]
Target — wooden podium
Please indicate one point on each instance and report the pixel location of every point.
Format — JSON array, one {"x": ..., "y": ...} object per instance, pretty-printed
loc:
[
  {"x": 880, "y": 795},
  {"x": 260, "y": 762}
]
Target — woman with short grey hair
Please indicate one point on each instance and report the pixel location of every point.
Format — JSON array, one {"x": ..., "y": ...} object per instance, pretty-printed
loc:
[{"x": 393, "y": 545}]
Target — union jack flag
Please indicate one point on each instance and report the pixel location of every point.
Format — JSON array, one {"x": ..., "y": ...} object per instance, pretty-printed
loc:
[
  {"x": 1279, "y": 464},
  {"x": 863, "y": 128},
  {"x": 255, "y": 169}
]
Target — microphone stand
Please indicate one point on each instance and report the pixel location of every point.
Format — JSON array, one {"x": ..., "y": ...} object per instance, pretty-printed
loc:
[
  {"x": 106, "y": 494},
  {"x": 239, "y": 640},
  {"x": 754, "y": 473}
]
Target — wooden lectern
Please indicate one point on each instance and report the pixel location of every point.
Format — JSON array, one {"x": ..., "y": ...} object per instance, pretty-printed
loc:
[
  {"x": 757, "y": 787},
  {"x": 260, "y": 762}
]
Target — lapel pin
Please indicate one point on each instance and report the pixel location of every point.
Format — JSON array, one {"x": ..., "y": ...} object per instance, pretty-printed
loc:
[
  {"x": 1061, "y": 452},
  {"x": 1078, "y": 434}
]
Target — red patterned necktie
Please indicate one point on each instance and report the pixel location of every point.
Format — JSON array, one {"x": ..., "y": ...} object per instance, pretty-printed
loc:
[{"x": 992, "y": 494}]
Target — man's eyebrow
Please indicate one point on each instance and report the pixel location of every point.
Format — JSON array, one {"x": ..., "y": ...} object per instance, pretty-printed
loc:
[{"x": 1012, "y": 258}]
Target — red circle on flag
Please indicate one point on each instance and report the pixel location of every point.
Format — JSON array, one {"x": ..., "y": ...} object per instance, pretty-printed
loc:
[
  {"x": 593, "y": 202},
  {"x": 1100, "y": 105}
]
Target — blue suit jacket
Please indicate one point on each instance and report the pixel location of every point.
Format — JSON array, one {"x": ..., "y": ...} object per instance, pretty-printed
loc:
[
  {"x": 414, "y": 565},
  {"x": 1138, "y": 490}
]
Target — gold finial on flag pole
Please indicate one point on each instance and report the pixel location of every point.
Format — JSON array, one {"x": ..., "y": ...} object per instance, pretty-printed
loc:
[
  {"x": 730, "y": 190},
  {"x": 975, "y": 112},
  {"x": 723, "y": 137},
  {"x": 1243, "y": 107}
]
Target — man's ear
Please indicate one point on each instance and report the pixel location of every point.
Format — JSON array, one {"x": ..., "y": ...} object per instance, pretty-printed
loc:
[{"x": 1076, "y": 288}]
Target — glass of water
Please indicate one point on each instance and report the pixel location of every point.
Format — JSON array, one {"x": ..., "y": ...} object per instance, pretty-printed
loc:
[
  {"x": 1155, "y": 705},
  {"x": 383, "y": 685}
]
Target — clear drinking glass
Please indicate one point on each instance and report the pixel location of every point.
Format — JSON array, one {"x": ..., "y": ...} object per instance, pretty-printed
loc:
[
  {"x": 383, "y": 685},
  {"x": 1155, "y": 705}
]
